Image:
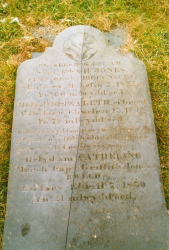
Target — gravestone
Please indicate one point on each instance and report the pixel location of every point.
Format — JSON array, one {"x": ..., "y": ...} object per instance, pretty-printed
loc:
[{"x": 84, "y": 169}]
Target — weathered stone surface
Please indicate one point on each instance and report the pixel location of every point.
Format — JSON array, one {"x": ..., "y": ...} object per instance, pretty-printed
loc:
[
  {"x": 84, "y": 171},
  {"x": 116, "y": 37},
  {"x": 45, "y": 32},
  {"x": 36, "y": 54},
  {"x": 43, "y": 151}
]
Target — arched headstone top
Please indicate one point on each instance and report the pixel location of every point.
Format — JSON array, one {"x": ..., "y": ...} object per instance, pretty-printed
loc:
[{"x": 80, "y": 43}]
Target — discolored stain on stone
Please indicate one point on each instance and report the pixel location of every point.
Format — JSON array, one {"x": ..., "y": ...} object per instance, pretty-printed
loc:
[{"x": 25, "y": 229}]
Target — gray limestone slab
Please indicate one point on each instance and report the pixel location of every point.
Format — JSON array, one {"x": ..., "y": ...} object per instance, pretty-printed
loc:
[{"x": 84, "y": 169}]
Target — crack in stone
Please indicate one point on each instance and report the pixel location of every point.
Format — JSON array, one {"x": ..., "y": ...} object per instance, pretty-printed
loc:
[{"x": 77, "y": 147}]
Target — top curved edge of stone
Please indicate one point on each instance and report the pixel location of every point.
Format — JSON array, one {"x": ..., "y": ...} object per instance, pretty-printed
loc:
[{"x": 65, "y": 34}]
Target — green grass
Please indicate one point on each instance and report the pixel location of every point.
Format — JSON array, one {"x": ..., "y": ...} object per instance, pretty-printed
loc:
[{"x": 147, "y": 24}]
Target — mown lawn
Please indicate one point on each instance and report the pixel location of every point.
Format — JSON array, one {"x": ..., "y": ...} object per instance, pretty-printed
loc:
[{"x": 146, "y": 22}]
